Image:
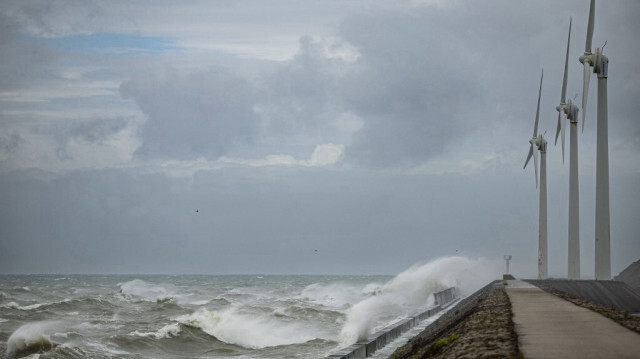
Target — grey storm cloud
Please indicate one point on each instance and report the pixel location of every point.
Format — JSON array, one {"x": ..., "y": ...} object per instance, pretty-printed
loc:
[
  {"x": 99, "y": 129},
  {"x": 298, "y": 93},
  {"x": 10, "y": 142},
  {"x": 53, "y": 19},
  {"x": 407, "y": 115},
  {"x": 21, "y": 63},
  {"x": 95, "y": 130},
  {"x": 412, "y": 88},
  {"x": 192, "y": 114}
]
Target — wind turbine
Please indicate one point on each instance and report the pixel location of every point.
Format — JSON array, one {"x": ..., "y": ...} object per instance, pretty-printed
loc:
[
  {"x": 540, "y": 144},
  {"x": 569, "y": 110},
  {"x": 600, "y": 64}
]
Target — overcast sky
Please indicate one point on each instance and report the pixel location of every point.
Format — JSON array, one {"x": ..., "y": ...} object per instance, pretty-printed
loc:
[{"x": 288, "y": 136}]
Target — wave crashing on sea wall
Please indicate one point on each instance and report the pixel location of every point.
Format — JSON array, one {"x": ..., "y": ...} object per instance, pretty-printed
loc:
[{"x": 411, "y": 290}]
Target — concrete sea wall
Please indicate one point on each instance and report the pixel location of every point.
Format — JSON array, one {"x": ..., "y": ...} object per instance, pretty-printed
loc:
[{"x": 379, "y": 339}]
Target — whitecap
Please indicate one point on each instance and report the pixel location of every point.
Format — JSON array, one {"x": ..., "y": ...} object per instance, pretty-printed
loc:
[
  {"x": 200, "y": 302},
  {"x": 14, "y": 305},
  {"x": 168, "y": 331},
  {"x": 139, "y": 290},
  {"x": 11, "y": 305}
]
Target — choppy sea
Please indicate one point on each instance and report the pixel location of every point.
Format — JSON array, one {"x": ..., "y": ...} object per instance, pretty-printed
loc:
[{"x": 206, "y": 316}]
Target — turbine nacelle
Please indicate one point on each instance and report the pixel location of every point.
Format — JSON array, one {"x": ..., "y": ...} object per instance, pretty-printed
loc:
[
  {"x": 571, "y": 110},
  {"x": 567, "y": 111},
  {"x": 601, "y": 63},
  {"x": 539, "y": 142}
]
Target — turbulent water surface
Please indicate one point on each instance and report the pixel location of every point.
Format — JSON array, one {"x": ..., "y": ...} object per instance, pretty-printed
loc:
[{"x": 77, "y": 316}]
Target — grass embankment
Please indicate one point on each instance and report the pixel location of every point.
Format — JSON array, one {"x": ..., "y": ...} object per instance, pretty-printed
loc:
[{"x": 481, "y": 326}]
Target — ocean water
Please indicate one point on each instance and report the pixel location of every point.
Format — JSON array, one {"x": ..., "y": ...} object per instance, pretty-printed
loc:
[{"x": 203, "y": 316}]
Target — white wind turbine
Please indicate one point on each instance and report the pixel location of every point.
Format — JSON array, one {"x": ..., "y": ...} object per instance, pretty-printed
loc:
[
  {"x": 600, "y": 64},
  {"x": 540, "y": 144},
  {"x": 569, "y": 110}
]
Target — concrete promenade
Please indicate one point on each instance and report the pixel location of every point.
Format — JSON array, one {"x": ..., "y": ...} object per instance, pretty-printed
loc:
[{"x": 550, "y": 327}]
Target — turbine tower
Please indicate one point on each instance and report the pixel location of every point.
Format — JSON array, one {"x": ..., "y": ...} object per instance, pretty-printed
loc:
[
  {"x": 600, "y": 64},
  {"x": 540, "y": 144},
  {"x": 569, "y": 110}
]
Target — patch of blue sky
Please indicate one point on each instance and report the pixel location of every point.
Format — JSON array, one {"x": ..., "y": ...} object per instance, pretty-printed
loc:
[{"x": 110, "y": 43}]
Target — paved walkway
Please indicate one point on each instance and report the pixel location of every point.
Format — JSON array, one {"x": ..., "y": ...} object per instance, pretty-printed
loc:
[{"x": 551, "y": 327}]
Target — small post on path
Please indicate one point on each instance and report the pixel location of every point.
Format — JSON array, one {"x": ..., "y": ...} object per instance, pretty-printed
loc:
[{"x": 507, "y": 257}]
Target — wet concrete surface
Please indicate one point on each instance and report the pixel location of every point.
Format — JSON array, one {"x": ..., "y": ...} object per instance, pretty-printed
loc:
[
  {"x": 550, "y": 327},
  {"x": 614, "y": 294}
]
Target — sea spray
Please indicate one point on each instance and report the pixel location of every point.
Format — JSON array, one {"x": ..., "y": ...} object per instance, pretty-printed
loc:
[
  {"x": 412, "y": 289},
  {"x": 337, "y": 294}
]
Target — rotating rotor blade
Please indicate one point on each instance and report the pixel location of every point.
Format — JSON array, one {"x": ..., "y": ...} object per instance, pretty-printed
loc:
[
  {"x": 592, "y": 15},
  {"x": 563, "y": 125},
  {"x": 585, "y": 90},
  {"x": 535, "y": 163},
  {"x": 535, "y": 127},
  {"x": 566, "y": 67},
  {"x": 531, "y": 150}
]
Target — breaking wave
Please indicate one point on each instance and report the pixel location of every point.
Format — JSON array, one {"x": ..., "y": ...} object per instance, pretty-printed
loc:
[
  {"x": 248, "y": 330},
  {"x": 31, "y": 338}
]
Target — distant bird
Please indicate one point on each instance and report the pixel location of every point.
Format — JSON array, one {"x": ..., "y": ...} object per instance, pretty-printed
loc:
[
  {"x": 315, "y": 250},
  {"x": 197, "y": 210}
]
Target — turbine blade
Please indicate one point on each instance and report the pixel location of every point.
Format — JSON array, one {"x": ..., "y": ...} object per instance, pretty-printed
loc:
[
  {"x": 585, "y": 90},
  {"x": 592, "y": 15},
  {"x": 558, "y": 128},
  {"x": 528, "y": 157},
  {"x": 563, "y": 125},
  {"x": 566, "y": 67},
  {"x": 535, "y": 127},
  {"x": 535, "y": 163}
]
